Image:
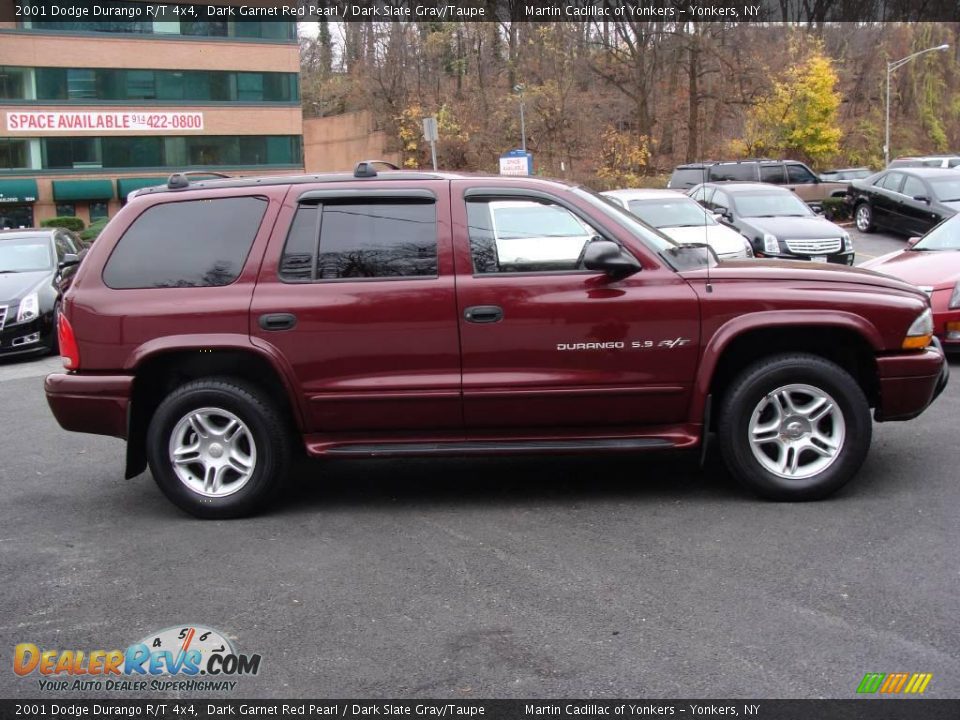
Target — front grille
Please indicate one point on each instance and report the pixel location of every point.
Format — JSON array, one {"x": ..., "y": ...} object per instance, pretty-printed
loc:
[
  {"x": 3, "y": 316},
  {"x": 814, "y": 247}
]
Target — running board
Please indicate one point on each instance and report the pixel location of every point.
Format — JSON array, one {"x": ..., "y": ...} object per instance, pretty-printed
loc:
[{"x": 480, "y": 447}]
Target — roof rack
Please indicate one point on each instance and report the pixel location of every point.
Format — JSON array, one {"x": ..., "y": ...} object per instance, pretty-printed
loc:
[
  {"x": 180, "y": 180},
  {"x": 365, "y": 169}
]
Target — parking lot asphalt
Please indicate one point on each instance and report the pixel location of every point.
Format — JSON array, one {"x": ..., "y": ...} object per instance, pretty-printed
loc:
[{"x": 543, "y": 577}]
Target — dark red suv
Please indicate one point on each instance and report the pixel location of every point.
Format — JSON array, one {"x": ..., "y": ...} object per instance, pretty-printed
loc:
[{"x": 222, "y": 326}]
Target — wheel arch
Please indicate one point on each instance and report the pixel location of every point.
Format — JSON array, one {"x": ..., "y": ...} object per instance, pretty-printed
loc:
[
  {"x": 844, "y": 338},
  {"x": 160, "y": 369}
]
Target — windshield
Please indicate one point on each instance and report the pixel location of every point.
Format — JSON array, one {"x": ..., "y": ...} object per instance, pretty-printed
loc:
[
  {"x": 770, "y": 205},
  {"x": 25, "y": 255},
  {"x": 529, "y": 220},
  {"x": 946, "y": 189},
  {"x": 945, "y": 236},
  {"x": 662, "y": 213},
  {"x": 644, "y": 233}
]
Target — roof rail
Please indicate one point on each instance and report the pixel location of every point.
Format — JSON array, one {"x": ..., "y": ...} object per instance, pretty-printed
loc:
[
  {"x": 180, "y": 180},
  {"x": 365, "y": 169}
]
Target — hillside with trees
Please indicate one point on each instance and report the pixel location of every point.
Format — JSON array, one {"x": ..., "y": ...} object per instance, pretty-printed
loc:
[{"x": 618, "y": 103}]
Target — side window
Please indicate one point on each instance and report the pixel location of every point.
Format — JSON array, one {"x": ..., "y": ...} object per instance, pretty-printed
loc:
[
  {"x": 912, "y": 187},
  {"x": 891, "y": 181},
  {"x": 703, "y": 195},
  {"x": 376, "y": 239},
  {"x": 64, "y": 246},
  {"x": 196, "y": 243},
  {"x": 525, "y": 236},
  {"x": 721, "y": 201},
  {"x": 772, "y": 174},
  {"x": 799, "y": 174},
  {"x": 734, "y": 171}
]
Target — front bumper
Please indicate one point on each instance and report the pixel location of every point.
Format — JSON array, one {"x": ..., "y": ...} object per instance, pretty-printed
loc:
[
  {"x": 95, "y": 404},
  {"x": 25, "y": 338},
  {"x": 910, "y": 382},
  {"x": 841, "y": 258}
]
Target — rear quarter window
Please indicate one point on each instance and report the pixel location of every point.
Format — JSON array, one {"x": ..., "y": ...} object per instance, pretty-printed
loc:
[
  {"x": 195, "y": 243},
  {"x": 687, "y": 177}
]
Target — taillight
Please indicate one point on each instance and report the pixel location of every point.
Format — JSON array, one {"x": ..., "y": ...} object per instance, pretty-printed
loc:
[{"x": 69, "y": 352}]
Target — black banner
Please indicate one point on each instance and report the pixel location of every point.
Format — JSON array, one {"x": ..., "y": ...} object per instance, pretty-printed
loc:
[
  {"x": 176, "y": 709},
  {"x": 668, "y": 11}
]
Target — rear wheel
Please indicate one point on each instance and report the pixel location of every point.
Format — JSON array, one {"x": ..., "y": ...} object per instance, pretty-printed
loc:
[
  {"x": 863, "y": 218},
  {"x": 218, "y": 448},
  {"x": 795, "y": 427}
]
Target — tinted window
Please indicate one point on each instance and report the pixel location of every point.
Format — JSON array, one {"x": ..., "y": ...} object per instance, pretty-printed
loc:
[
  {"x": 913, "y": 187},
  {"x": 377, "y": 240},
  {"x": 772, "y": 174},
  {"x": 721, "y": 200},
  {"x": 733, "y": 171},
  {"x": 25, "y": 254},
  {"x": 687, "y": 177},
  {"x": 703, "y": 195},
  {"x": 946, "y": 189},
  {"x": 800, "y": 174},
  {"x": 301, "y": 246},
  {"x": 198, "y": 243}
]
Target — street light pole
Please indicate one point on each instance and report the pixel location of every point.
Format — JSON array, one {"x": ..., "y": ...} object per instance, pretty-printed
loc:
[
  {"x": 523, "y": 125},
  {"x": 891, "y": 66}
]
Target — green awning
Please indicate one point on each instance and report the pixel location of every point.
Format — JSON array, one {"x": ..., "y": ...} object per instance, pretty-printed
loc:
[
  {"x": 125, "y": 186},
  {"x": 70, "y": 190},
  {"x": 18, "y": 191}
]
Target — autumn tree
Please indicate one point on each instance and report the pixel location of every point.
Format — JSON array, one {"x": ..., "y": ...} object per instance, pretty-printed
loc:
[{"x": 799, "y": 117}]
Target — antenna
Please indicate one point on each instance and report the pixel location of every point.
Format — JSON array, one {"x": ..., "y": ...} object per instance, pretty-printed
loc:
[{"x": 699, "y": 131}]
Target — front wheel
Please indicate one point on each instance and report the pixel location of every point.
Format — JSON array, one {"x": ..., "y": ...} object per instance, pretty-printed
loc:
[
  {"x": 863, "y": 218},
  {"x": 795, "y": 427},
  {"x": 218, "y": 448}
]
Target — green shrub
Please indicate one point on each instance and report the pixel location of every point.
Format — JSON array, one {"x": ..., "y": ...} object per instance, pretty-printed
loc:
[
  {"x": 70, "y": 223},
  {"x": 835, "y": 209},
  {"x": 91, "y": 233}
]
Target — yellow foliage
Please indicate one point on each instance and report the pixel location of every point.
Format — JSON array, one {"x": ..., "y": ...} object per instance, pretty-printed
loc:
[
  {"x": 623, "y": 157},
  {"x": 800, "y": 116}
]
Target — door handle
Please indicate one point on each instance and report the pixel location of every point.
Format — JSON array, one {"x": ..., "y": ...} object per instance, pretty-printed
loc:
[
  {"x": 483, "y": 314},
  {"x": 277, "y": 321}
]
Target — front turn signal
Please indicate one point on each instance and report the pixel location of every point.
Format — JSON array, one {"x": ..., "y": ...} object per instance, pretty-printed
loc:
[{"x": 920, "y": 334}]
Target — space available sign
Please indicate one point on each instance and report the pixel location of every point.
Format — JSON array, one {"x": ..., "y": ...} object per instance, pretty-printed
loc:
[{"x": 99, "y": 122}]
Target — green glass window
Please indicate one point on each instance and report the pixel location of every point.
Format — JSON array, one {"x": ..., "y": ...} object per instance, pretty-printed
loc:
[
  {"x": 177, "y": 152},
  {"x": 13, "y": 153},
  {"x": 104, "y": 84}
]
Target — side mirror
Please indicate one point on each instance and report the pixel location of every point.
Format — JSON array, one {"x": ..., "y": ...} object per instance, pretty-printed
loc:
[
  {"x": 912, "y": 241},
  {"x": 610, "y": 258},
  {"x": 922, "y": 198},
  {"x": 68, "y": 260},
  {"x": 818, "y": 209}
]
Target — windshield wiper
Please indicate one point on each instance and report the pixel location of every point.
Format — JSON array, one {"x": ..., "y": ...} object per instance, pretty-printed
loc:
[{"x": 4, "y": 272}]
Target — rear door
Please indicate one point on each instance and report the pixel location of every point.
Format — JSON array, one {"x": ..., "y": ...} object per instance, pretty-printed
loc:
[
  {"x": 885, "y": 198},
  {"x": 915, "y": 215},
  {"x": 549, "y": 347},
  {"x": 358, "y": 297}
]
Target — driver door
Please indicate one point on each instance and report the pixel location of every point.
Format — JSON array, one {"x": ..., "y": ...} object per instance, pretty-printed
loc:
[{"x": 548, "y": 345}]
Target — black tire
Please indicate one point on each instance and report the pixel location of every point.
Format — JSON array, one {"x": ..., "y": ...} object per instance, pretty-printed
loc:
[
  {"x": 270, "y": 434},
  {"x": 755, "y": 386},
  {"x": 863, "y": 218},
  {"x": 55, "y": 334}
]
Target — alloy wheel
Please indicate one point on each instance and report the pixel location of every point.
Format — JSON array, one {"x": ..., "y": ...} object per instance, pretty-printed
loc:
[{"x": 212, "y": 452}]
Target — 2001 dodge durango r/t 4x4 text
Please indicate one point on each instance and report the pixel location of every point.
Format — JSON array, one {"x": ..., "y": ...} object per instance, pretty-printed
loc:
[{"x": 221, "y": 326}]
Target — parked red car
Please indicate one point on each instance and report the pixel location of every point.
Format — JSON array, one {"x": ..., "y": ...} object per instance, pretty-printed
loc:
[
  {"x": 932, "y": 263},
  {"x": 223, "y": 325}
]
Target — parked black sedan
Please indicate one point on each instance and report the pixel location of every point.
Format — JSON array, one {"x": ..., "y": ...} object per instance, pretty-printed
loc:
[
  {"x": 36, "y": 267},
  {"x": 777, "y": 223},
  {"x": 909, "y": 201}
]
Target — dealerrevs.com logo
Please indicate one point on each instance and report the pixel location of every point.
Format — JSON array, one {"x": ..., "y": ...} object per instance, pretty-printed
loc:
[{"x": 183, "y": 658}]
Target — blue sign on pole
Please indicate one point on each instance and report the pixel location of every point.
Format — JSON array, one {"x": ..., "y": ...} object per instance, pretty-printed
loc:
[{"x": 516, "y": 162}]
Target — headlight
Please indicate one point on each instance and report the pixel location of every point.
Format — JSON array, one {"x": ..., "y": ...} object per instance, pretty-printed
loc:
[
  {"x": 920, "y": 333},
  {"x": 748, "y": 247},
  {"x": 29, "y": 308},
  {"x": 955, "y": 298},
  {"x": 847, "y": 242},
  {"x": 771, "y": 245}
]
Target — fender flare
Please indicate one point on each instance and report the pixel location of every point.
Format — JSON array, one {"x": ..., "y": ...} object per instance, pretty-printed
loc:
[{"x": 769, "y": 319}]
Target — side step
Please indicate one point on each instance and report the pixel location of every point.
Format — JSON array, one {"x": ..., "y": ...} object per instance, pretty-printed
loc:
[{"x": 478, "y": 447}]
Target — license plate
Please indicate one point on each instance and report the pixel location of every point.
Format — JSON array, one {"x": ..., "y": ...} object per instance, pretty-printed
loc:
[{"x": 818, "y": 258}]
